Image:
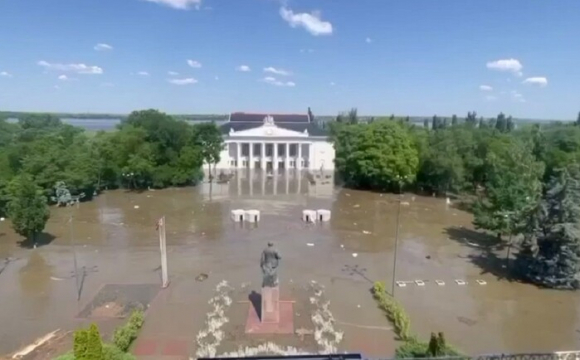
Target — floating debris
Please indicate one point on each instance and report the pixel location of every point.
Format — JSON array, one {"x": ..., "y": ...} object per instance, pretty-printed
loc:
[
  {"x": 354, "y": 254},
  {"x": 481, "y": 282},
  {"x": 420, "y": 282},
  {"x": 136, "y": 207},
  {"x": 2, "y": 219},
  {"x": 201, "y": 277},
  {"x": 310, "y": 244},
  {"x": 366, "y": 232},
  {"x": 440, "y": 282}
]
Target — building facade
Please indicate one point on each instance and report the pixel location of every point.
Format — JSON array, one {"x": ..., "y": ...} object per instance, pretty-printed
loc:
[{"x": 275, "y": 142}]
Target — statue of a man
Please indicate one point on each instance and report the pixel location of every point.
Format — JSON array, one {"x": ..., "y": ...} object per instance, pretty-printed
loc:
[{"x": 269, "y": 264}]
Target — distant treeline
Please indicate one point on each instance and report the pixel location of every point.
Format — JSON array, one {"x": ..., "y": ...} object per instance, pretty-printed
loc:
[{"x": 98, "y": 116}]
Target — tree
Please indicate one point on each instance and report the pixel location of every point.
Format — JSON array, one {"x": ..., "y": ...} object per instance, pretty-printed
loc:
[
  {"x": 551, "y": 258},
  {"x": 501, "y": 123},
  {"x": 208, "y": 139},
  {"x": 435, "y": 122},
  {"x": 381, "y": 155},
  {"x": 471, "y": 118},
  {"x": 88, "y": 344},
  {"x": 27, "y": 207},
  {"x": 454, "y": 120},
  {"x": 512, "y": 187},
  {"x": 578, "y": 120},
  {"x": 310, "y": 115}
]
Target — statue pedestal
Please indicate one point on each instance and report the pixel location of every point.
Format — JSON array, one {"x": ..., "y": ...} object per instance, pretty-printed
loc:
[
  {"x": 270, "y": 305},
  {"x": 270, "y": 315}
]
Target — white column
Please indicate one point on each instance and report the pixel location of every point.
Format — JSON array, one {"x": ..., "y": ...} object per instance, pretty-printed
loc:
[
  {"x": 299, "y": 158},
  {"x": 287, "y": 158},
  {"x": 287, "y": 177},
  {"x": 251, "y": 155},
  {"x": 238, "y": 155},
  {"x": 263, "y": 158},
  {"x": 275, "y": 157}
]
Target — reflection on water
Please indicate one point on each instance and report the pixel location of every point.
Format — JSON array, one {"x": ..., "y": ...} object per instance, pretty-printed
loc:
[
  {"x": 254, "y": 182},
  {"x": 116, "y": 232}
]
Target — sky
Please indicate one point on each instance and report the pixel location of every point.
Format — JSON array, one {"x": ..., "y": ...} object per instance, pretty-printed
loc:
[{"x": 411, "y": 57}]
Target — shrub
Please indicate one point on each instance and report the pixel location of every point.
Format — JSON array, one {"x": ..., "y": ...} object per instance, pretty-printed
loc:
[
  {"x": 111, "y": 352},
  {"x": 124, "y": 335},
  {"x": 412, "y": 349},
  {"x": 68, "y": 356},
  {"x": 394, "y": 311}
]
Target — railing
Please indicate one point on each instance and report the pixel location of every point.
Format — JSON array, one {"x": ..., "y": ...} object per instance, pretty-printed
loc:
[{"x": 560, "y": 355}]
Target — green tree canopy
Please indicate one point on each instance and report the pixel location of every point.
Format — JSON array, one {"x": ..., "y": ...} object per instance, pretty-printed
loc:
[
  {"x": 27, "y": 207},
  {"x": 380, "y": 155}
]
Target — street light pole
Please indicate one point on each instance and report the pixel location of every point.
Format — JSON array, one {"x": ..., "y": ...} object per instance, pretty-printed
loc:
[
  {"x": 396, "y": 242},
  {"x": 76, "y": 274}
]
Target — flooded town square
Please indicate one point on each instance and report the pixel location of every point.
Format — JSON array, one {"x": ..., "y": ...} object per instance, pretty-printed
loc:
[{"x": 114, "y": 243}]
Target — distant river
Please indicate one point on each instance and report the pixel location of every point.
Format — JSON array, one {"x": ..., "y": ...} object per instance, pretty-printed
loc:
[{"x": 104, "y": 124}]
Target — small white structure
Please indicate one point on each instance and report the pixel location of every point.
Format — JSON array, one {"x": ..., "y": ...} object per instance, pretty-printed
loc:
[
  {"x": 238, "y": 215},
  {"x": 309, "y": 216},
  {"x": 252, "y": 216},
  {"x": 420, "y": 282},
  {"x": 323, "y": 215}
]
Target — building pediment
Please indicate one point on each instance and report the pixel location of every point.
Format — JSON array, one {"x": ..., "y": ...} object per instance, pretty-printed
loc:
[{"x": 267, "y": 130}]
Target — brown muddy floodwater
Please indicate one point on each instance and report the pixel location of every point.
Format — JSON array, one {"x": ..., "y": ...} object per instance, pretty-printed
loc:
[{"x": 115, "y": 240}]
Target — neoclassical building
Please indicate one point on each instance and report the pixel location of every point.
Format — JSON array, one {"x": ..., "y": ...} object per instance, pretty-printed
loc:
[{"x": 273, "y": 142}]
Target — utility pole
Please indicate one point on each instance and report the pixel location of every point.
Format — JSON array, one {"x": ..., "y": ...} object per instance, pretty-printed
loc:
[
  {"x": 396, "y": 238},
  {"x": 163, "y": 249},
  {"x": 72, "y": 243}
]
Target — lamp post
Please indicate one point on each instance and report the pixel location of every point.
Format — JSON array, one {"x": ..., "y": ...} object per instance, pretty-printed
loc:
[{"x": 400, "y": 180}]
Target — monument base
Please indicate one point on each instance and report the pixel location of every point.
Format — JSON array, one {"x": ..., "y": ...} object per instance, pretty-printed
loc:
[
  {"x": 270, "y": 304},
  {"x": 285, "y": 324}
]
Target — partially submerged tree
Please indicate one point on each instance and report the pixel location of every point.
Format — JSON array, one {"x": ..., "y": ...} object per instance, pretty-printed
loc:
[
  {"x": 27, "y": 207},
  {"x": 551, "y": 255},
  {"x": 512, "y": 188}
]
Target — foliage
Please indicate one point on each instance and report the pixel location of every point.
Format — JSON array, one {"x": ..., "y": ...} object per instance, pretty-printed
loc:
[
  {"x": 393, "y": 310},
  {"x": 88, "y": 344},
  {"x": 150, "y": 149},
  {"x": 27, "y": 207},
  {"x": 380, "y": 155},
  {"x": 512, "y": 186},
  {"x": 411, "y": 347},
  {"x": 552, "y": 257},
  {"x": 125, "y": 334}
]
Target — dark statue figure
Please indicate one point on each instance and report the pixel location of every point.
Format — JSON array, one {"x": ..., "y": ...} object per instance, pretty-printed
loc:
[{"x": 269, "y": 264}]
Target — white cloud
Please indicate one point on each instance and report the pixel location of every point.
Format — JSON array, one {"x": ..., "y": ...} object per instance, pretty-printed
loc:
[
  {"x": 516, "y": 96},
  {"x": 194, "y": 64},
  {"x": 274, "y": 81},
  {"x": 243, "y": 68},
  {"x": 187, "y": 81},
  {"x": 63, "y": 78},
  {"x": 485, "y": 88},
  {"x": 5, "y": 74},
  {"x": 103, "y": 47},
  {"x": 74, "y": 68},
  {"x": 310, "y": 22},
  {"x": 277, "y": 71},
  {"x": 368, "y": 40},
  {"x": 143, "y": 73},
  {"x": 172, "y": 73},
  {"x": 538, "y": 80},
  {"x": 178, "y": 4},
  {"x": 511, "y": 65}
]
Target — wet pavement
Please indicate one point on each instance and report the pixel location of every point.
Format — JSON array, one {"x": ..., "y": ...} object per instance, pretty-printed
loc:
[{"x": 113, "y": 240}]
